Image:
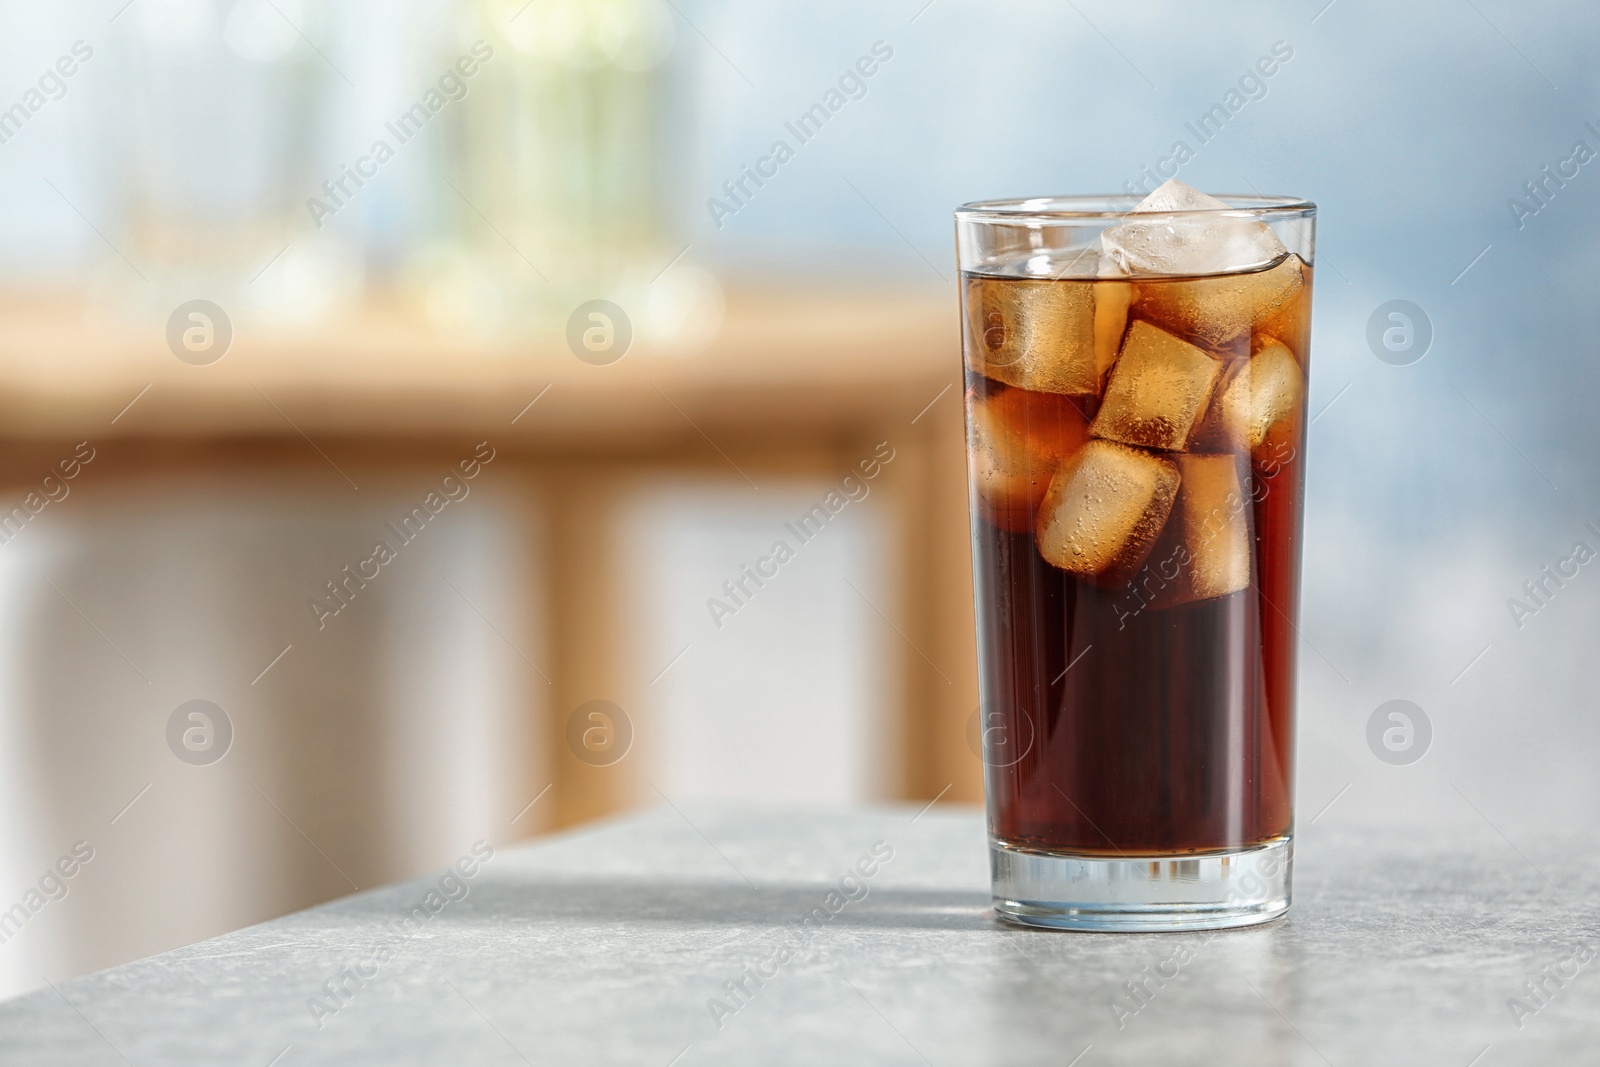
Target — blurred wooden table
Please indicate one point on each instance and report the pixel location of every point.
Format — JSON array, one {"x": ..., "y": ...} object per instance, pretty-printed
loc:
[{"x": 797, "y": 384}]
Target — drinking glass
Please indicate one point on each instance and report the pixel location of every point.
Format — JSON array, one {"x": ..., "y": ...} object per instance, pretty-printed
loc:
[{"x": 1135, "y": 400}]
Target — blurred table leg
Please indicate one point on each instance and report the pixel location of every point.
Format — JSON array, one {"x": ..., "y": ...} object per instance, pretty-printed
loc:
[{"x": 585, "y": 633}]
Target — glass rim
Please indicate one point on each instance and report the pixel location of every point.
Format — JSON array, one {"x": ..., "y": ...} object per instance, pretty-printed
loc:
[{"x": 1111, "y": 206}]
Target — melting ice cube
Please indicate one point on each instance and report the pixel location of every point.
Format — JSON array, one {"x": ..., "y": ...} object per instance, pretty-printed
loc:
[
  {"x": 1034, "y": 334},
  {"x": 1221, "y": 310},
  {"x": 1254, "y": 396},
  {"x": 1159, "y": 387},
  {"x": 1016, "y": 440},
  {"x": 1213, "y": 520},
  {"x": 1192, "y": 244},
  {"x": 1104, "y": 508}
]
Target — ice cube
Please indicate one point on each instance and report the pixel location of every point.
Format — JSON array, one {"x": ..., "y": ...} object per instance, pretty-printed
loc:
[
  {"x": 1160, "y": 385},
  {"x": 1277, "y": 387},
  {"x": 1226, "y": 425},
  {"x": 1036, "y": 334},
  {"x": 1104, "y": 508},
  {"x": 1213, "y": 525},
  {"x": 1253, "y": 396},
  {"x": 1220, "y": 311},
  {"x": 1291, "y": 323},
  {"x": 1016, "y": 440},
  {"x": 1188, "y": 244},
  {"x": 1111, "y": 302}
]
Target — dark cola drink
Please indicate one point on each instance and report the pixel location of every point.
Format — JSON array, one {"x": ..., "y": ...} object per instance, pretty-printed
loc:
[{"x": 1135, "y": 442}]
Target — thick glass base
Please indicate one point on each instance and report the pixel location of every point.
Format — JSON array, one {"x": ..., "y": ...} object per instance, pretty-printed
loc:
[{"x": 1147, "y": 893}]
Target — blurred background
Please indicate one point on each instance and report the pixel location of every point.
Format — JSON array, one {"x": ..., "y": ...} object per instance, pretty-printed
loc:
[{"x": 310, "y": 413}]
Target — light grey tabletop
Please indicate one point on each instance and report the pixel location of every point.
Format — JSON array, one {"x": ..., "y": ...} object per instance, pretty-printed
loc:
[{"x": 626, "y": 942}]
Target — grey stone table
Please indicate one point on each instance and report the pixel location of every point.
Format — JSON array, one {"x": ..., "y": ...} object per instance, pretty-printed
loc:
[{"x": 678, "y": 938}]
